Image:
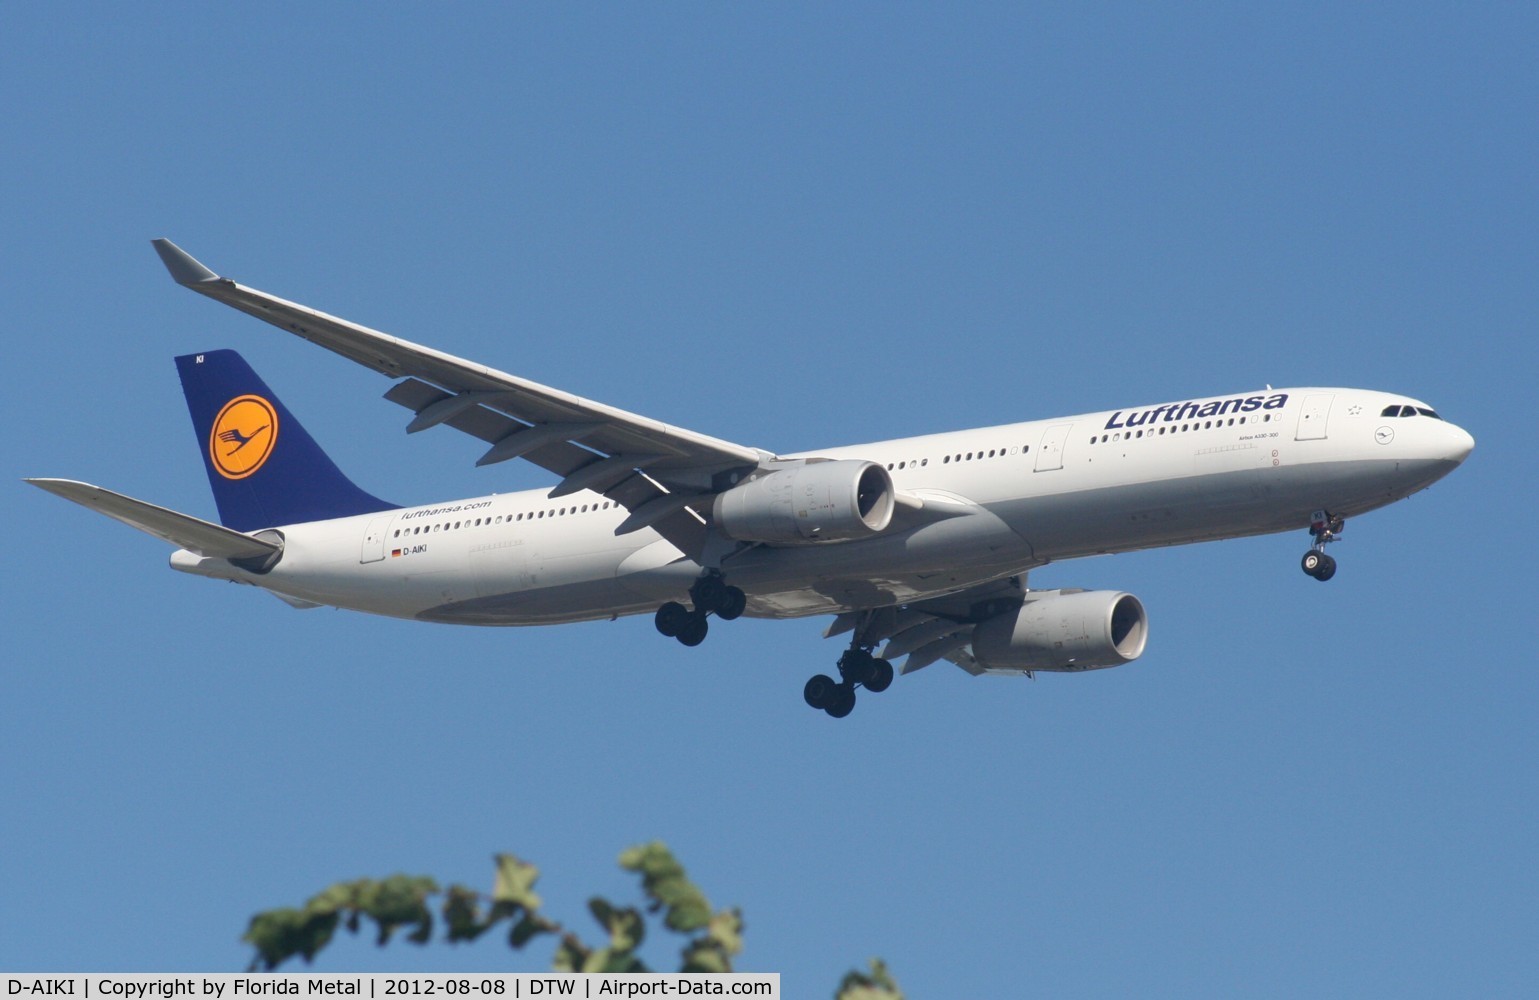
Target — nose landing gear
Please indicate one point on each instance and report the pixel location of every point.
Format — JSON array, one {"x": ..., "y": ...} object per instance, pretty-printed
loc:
[{"x": 1324, "y": 528}]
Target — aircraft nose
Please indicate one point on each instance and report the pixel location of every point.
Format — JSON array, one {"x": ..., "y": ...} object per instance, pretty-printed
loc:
[{"x": 1460, "y": 443}]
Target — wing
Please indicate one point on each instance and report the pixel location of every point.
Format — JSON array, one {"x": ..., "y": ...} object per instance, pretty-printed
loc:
[{"x": 654, "y": 470}]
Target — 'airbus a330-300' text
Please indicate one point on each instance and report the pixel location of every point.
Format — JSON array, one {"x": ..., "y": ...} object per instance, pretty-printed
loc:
[{"x": 919, "y": 546}]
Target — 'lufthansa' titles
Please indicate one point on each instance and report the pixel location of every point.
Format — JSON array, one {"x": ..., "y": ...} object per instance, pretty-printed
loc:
[{"x": 1172, "y": 412}]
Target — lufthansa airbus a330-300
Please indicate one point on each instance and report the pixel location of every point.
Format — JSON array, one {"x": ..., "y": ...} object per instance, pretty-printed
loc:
[{"x": 919, "y": 546}]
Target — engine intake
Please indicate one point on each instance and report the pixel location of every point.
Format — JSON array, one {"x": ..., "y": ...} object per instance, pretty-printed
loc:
[
  {"x": 817, "y": 502},
  {"x": 1064, "y": 630}
]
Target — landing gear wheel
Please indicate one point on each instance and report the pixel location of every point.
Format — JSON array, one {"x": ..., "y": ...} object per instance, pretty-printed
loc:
[
  {"x": 1326, "y": 569},
  {"x": 1318, "y": 565},
  {"x": 881, "y": 676},
  {"x": 733, "y": 604},
  {"x": 693, "y": 632},
  {"x": 856, "y": 667},
  {"x": 709, "y": 593},
  {"x": 820, "y": 692},
  {"x": 671, "y": 618},
  {"x": 842, "y": 703}
]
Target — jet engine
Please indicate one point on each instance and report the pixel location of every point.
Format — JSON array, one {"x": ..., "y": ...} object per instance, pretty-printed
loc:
[
  {"x": 1066, "y": 630},
  {"x": 835, "y": 501}
]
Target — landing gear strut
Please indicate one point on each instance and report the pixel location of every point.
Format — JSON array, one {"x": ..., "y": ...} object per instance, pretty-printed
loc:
[
  {"x": 858, "y": 667},
  {"x": 1324, "y": 528},
  {"x": 710, "y": 594}
]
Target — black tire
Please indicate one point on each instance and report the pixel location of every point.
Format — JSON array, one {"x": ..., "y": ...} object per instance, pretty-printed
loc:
[
  {"x": 1327, "y": 568},
  {"x": 709, "y": 593},
  {"x": 671, "y": 617},
  {"x": 1312, "y": 561},
  {"x": 693, "y": 632},
  {"x": 733, "y": 605},
  {"x": 856, "y": 665},
  {"x": 820, "y": 691},
  {"x": 881, "y": 676},
  {"x": 843, "y": 702}
]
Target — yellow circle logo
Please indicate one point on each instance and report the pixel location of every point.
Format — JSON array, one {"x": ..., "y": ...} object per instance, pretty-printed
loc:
[{"x": 243, "y": 436}]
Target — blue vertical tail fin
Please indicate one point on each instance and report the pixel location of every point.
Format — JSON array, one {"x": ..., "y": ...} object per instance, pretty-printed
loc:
[{"x": 264, "y": 468}]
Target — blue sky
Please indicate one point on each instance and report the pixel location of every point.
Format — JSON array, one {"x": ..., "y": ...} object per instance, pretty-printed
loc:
[{"x": 788, "y": 226}]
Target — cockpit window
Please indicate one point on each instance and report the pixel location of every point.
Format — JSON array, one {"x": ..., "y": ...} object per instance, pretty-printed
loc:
[{"x": 1409, "y": 411}]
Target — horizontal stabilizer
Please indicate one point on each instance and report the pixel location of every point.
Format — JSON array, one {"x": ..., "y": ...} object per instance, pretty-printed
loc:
[{"x": 194, "y": 534}]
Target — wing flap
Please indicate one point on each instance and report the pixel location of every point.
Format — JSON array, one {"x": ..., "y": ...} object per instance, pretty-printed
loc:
[
  {"x": 568, "y": 460},
  {"x": 183, "y": 530},
  {"x": 940, "y": 648}
]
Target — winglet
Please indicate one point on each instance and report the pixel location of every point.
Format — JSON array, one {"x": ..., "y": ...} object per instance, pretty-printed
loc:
[{"x": 185, "y": 270}]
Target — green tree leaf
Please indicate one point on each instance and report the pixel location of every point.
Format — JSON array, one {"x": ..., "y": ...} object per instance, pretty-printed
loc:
[
  {"x": 664, "y": 882},
  {"x": 515, "y": 883},
  {"x": 879, "y": 985}
]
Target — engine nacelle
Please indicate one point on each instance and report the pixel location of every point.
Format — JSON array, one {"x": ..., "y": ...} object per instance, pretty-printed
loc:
[
  {"x": 1064, "y": 630},
  {"x": 817, "y": 502}
]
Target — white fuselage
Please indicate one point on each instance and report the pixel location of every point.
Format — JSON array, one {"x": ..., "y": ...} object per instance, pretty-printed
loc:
[{"x": 996, "y": 501}]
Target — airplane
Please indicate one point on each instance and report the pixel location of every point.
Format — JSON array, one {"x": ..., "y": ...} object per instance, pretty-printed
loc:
[{"x": 920, "y": 546}]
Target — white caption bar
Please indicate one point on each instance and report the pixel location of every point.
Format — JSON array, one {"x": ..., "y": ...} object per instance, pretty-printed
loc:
[{"x": 440, "y": 986}]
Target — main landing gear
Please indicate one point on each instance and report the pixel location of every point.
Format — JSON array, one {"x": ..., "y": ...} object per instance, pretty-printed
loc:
[
  {"x": 710, "y": 595},
  {"x": 858, "y": 667},
  {"x": 1324, "y": 528}
]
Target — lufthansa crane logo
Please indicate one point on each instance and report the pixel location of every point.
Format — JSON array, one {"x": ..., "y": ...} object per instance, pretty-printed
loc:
[{"x": 243, "y": 436}]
